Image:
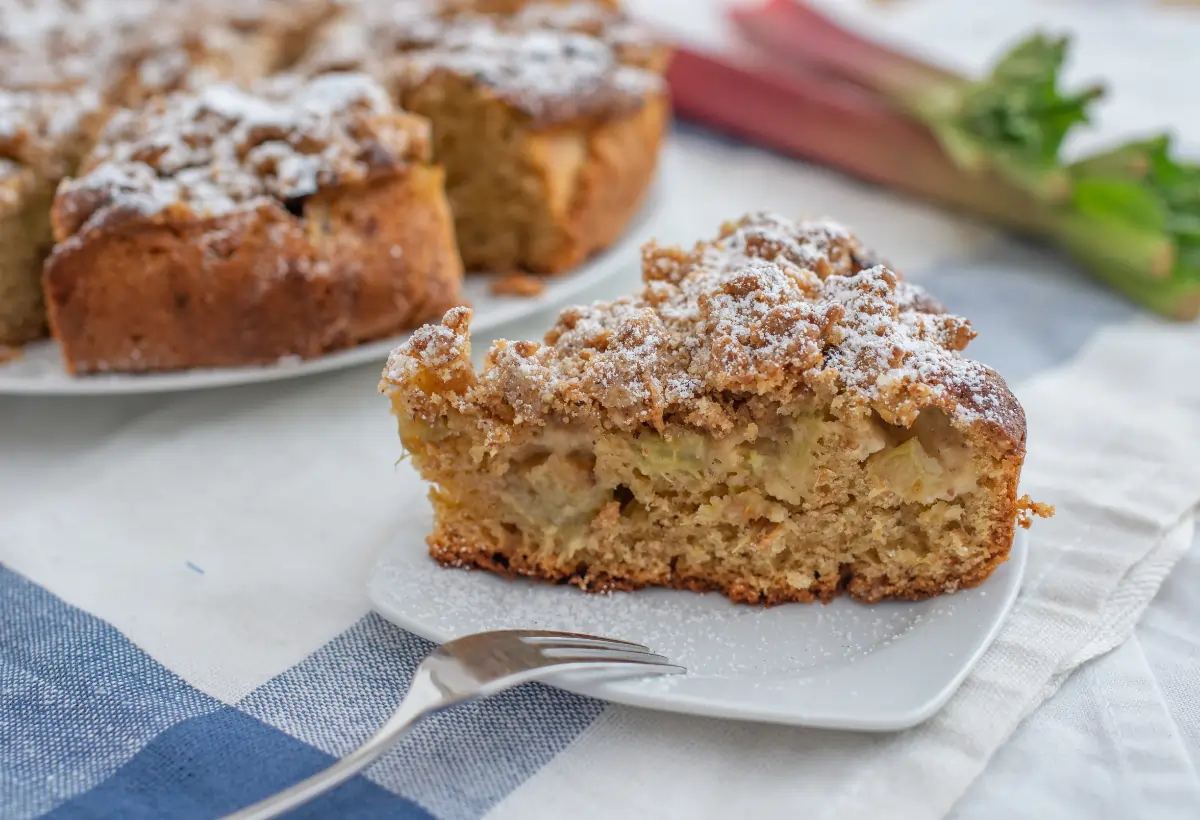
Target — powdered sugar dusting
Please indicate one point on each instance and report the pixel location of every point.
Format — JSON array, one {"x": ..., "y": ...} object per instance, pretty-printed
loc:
[
  {"x": 770, "y": 308},
  {"x": 551, "y": 60},
  {"x": 44, "y": 130},
  {"x": 106, "y": 44},
  {"x": 775, "y": 656},
  {"x": 223, "y": 148},
  {"x": 437, "y": 348},
  {"x": 540, "y": 70},
  {"x": 705, "y": 633}
]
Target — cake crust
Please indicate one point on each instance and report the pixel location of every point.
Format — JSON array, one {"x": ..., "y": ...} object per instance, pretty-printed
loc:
[{"x": 774, "y": 417}]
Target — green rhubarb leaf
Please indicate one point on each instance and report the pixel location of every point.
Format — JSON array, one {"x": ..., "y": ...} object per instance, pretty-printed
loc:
[
  {"x": 1141, "y": 185},
  {"x": 1178, "y": 184},
  {"x": 1125, "y": 201},
  {"x": 1020, "y": 105},
  {"x": 1014, "y": 120}
]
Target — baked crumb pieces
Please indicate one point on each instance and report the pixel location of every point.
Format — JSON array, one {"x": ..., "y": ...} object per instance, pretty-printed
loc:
[
  {"x": 768, "y": 308},
  {"x": 1028, "y": 509},
  {"x": 518, "y": 284}
]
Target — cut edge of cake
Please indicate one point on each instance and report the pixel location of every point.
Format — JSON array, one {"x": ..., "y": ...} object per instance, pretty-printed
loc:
[{"x": 547, "y": 116}]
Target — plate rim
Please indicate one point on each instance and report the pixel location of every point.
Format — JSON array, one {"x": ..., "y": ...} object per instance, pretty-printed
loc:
[
  {"x": 1012, "y": 573},
  {"x": 560, "y": 289}
]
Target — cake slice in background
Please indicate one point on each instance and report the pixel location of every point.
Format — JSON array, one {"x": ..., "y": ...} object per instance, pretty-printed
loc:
[
  {"x": 547, "y": 116},
  {"x": 224, "y": 227},
  {"x": 774, "y": 416}
]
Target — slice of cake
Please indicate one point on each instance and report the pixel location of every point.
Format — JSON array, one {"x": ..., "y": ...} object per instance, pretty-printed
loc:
[
  {"x": 774, "y": 416},
  {"x": 547, "y": 116},
  {"x": 226, "y": 228},
  {"x": 42, "y": 137}
]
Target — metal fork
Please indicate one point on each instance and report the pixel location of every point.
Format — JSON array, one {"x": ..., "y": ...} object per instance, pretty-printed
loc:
[{"x": 472, "y": 667}]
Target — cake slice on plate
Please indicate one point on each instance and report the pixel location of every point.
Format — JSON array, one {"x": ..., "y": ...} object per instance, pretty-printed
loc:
[{"x": 774, "y": 416}]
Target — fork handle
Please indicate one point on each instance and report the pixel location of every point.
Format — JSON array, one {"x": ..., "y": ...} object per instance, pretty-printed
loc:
[{"x": 412, "y": 709}]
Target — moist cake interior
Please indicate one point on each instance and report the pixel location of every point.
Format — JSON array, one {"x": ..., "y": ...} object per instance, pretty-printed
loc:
[{"x": 792, "y": 507}]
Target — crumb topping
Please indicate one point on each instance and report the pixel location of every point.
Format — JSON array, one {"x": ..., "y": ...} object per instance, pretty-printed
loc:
[
  {"x": 518, "y": 284},
  {"x": 1028, "y": 509},
  {"x": 554, "y": 61},
  {"x": 548, "y": 73},
  {"x": 632, "y": 42},
  {"x": 222, "y": 148},
  {"x": 69, "y": 44},
  {"x": 45, "y": 130},
  {"x": 769, "y": 309},
  {"x": 135, "y": 48},
  {"x": 62, "y": 44}
]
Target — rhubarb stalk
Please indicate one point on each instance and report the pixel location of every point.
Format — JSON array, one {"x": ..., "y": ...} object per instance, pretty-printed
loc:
[
  {"x": 841, "y": 127},
  {"x": 990, "y": 146},
  {"x": 1011, "y": 122},
  {"x": 1140, "y": 188}
]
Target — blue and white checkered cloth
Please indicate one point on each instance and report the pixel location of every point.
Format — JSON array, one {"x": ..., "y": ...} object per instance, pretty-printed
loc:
[{"x": 92, "y": 726}]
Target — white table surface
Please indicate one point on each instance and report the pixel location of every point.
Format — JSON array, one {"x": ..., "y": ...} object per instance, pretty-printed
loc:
[{"x": 1070, "y": 759}]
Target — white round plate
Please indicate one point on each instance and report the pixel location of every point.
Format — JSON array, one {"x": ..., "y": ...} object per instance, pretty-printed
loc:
[
  {"x": 845, "y": 665},
  {"x": 39, "y": 370}
]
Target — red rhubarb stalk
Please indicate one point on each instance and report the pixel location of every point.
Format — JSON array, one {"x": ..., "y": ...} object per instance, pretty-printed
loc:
[
  {"x": 989, "y": 146},
  {"x": 1011, "y": 121},
  {"x": 840, "y": 126},
  {"x": 804, "y": 114},
  {"x": 794, "y": 29}
]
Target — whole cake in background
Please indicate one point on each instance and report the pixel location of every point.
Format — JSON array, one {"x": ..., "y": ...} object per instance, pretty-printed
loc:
[
  {"x": 544, "y": 116},
  {"x": 775, "y": 416}
]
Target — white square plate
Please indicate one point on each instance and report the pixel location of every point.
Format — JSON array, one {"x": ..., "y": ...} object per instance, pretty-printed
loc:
[{"x": 844, "y": 666}]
